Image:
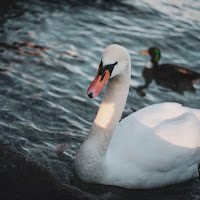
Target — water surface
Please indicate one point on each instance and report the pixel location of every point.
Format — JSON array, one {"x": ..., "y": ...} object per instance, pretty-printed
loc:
[{"x": 50, "y": 53}]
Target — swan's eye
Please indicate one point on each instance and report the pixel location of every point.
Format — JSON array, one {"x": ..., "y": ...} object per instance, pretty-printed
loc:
[{"x": 106, "y": 67}]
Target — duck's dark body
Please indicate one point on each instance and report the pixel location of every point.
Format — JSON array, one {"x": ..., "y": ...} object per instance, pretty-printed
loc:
[
  {"x": 169, "y": 72},
  {"x": 171, "y": 76}
]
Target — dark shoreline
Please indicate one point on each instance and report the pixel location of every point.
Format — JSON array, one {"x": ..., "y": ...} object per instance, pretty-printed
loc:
[{"x": 23, "y": 178}]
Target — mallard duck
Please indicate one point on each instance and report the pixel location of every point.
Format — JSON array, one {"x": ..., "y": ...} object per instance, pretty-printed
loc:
[{"x": 168, "y": 75}]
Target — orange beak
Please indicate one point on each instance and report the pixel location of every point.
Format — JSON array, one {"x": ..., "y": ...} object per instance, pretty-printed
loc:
[
  {"x": 144, "y": 52},
  {"x": 97, "y": 84}
]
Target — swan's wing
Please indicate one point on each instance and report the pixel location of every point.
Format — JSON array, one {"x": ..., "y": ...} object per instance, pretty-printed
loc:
[
  {"x": 153, "y": 115},
  {"x": 160, "y": 129},
  {"x": 159, "y": 142},
  {"x": 183, "y": 130}
]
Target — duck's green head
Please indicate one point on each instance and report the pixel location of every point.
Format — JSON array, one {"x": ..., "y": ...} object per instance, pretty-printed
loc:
[{"x": 154, "y": 53}]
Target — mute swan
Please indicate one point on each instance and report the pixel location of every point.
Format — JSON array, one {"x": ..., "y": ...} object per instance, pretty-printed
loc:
[{"x": 153, "y": 147}]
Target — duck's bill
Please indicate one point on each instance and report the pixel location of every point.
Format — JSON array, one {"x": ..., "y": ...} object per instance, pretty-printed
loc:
[
  {"x": 144, "y": 52},
  {"x": 97, "y": 84}
]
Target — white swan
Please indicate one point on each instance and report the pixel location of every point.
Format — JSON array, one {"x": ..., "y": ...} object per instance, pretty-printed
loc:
[{"x": 153, "y": 147}]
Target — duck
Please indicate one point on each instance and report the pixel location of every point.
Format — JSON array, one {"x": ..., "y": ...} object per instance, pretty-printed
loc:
[
  {"x": 156, "y": 146},
  {"x": 171, "y": 76}
]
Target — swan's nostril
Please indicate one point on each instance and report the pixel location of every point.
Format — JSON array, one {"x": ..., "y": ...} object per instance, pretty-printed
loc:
[{"x": 90, "y": 95}]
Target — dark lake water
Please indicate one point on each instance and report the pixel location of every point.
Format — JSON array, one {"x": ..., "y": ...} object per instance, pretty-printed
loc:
[{"x": 50, "y": 53}]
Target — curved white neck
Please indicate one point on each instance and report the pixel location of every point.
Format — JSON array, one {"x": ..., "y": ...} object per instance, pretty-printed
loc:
[
  {"x": 113, "y": 103},
  {"x": 93, "y": 150}
]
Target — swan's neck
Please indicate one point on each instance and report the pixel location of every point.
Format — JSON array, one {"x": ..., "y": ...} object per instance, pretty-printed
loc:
[
  {"x": 113, "y": 104},
  {"x": 91, "y": 155}
]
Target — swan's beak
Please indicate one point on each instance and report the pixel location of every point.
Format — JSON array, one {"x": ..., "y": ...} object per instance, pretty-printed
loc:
[
  {"x": 97, "y": 84},
  {"x": 144, "y": 52}
]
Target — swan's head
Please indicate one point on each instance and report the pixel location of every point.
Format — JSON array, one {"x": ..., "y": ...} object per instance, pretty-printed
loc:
[{"x": 114, "y": 61}]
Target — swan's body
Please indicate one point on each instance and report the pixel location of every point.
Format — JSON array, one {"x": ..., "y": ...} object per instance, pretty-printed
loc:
[{"x": 153, "y": 147}]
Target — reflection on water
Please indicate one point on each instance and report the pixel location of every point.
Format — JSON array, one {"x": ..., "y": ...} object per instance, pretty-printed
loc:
[{"x": 49, "y": 55}]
